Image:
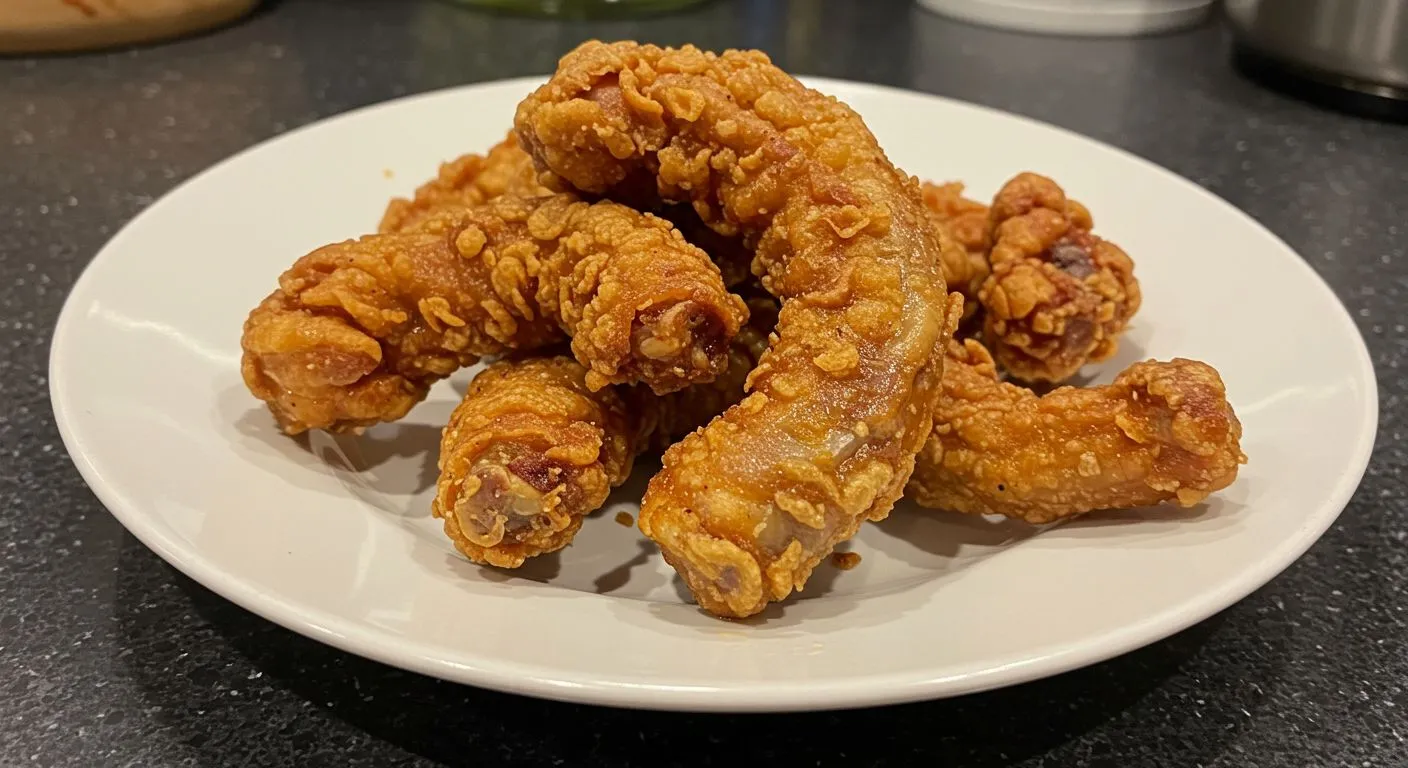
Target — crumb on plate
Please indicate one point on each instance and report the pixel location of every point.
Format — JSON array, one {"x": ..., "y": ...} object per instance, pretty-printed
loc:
[{"x": 845, "y": 560}]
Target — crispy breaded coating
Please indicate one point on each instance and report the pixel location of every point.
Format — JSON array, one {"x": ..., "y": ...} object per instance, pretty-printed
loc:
[
  {"x": 471, "y": 180},
  {"x": 1162, "y": 432},
  {"x": 359, "y": 330},
  {"x": 506, "y": 169},
  {"x": 745, "y": 508},
  {"x": 528, "y": 452},
  {"x": 998, "y": 449},
  {"x": 966, "y": 221},
  {"x": 531, "y": 449},
  {"x": 667, "y": 418},
  {"x": 733, "y": 256},
  {"x": 1058, "y": 296}
]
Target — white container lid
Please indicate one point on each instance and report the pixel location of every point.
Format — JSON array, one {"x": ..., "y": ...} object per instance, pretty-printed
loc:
[{"x": 1077, "y": 17}]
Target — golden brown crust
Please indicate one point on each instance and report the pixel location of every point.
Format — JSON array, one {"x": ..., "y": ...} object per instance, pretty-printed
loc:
[
  {"x": 1058, "y": 296},
  {"x": 667, "y": 418},
  {"x": 359, "y": 330},
  {"x": 734, "y": 258},
  {"x": 746, "y": 507},
  {"x": 1162, "y": 432},
  {"x": 506, "y": 169},
  {"x": 530, "y": 450},
  {"x": 471, "y": 180},
  {"x": 965, "y": 221}
]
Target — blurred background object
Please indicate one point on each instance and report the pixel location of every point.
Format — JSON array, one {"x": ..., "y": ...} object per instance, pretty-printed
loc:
[
  {"x": 580, "y": 9},
  {"x": 1350, "y": 54},
  {"x": 50, "y": 26},
  {"x": 1077, "y": 17}
]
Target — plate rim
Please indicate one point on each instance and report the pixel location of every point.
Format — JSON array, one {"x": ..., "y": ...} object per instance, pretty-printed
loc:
[{"x": 543, "y": 681}]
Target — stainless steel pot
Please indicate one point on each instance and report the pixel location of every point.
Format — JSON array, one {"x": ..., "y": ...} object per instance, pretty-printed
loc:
[{"x": 1360, "y": 46}]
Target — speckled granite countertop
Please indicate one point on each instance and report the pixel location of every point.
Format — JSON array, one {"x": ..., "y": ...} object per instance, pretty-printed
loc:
[{"x": 109, "y": 658}]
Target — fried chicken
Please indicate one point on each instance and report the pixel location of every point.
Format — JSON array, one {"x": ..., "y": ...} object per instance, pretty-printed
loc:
[
  {"x": 1058, "y": 296},
  {"x": 1162, "y": 432},
  {"x": 966, "y": 222},
  {"x": 471, "y": 180},
  {"x": 543, "y": 451},
  {"x": 733, "y": 256},
  {"x": 359, "y": 330},
  {"x": 528, "y": 452},
  {"x": 506, "y": 169},
  {"x": 745, "y": 508},
  {"x": 668, "y": 418},
  {"x": 531, "y": 449}
]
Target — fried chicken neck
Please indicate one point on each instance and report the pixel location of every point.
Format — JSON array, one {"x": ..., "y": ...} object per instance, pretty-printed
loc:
[
  {"x": 531, "y": 449},
  {"x": 745, "y": 508},
  {"x": 471, "y": 180},
  {"x": 1058, "y": 296},
  {"x": 527, "y": 453},
  {"x": 966, "y": 223},
  {"x": 1162, "y": 432},
  {"x": 359, "y": 330}
]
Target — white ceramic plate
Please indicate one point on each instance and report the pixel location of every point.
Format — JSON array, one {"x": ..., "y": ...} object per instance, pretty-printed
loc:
[{"x": 331, "y": 537}]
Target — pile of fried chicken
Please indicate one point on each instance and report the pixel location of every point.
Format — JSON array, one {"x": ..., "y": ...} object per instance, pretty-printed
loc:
[{"x": 693, "y": 252}]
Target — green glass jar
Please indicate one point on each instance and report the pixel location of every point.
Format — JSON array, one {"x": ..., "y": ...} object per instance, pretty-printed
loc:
[{"x": 580, "y": 9}]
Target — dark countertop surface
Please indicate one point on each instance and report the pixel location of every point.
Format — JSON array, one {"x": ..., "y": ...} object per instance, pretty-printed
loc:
[{"x": 108, "y": 657}]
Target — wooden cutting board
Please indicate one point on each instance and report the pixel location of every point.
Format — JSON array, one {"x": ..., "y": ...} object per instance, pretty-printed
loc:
[{"x": 46, "y": 26}]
